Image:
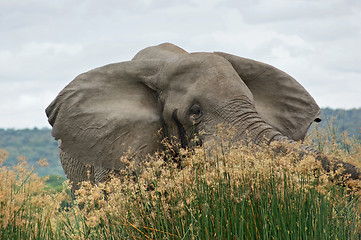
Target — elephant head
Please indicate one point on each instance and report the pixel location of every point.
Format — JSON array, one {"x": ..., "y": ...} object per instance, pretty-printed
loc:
[{"x": 119, "y": 108}]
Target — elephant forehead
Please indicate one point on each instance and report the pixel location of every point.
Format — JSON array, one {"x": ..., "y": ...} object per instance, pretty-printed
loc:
[
  {"x": 214, "y": 81},
  {"x": 195, "y": 63}
]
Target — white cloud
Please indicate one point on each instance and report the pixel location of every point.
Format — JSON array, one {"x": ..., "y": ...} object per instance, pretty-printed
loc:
[{"x": 29, "y": 61}]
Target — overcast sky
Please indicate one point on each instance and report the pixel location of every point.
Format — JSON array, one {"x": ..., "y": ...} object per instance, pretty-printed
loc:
[{"x": 45, "y": 44}]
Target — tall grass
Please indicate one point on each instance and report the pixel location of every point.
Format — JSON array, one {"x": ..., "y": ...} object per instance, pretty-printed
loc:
[
  {"x": 222, "y": 192},
  {"x": 27, "y": 208}
]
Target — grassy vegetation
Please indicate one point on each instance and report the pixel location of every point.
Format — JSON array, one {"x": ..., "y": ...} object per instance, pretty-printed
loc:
[
  {"x": 224, "y": 192},
  {"x": 55, "y": 182}
]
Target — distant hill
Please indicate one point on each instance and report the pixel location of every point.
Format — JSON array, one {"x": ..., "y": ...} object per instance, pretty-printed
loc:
[
  {"x": 33, "y": 144},
  {"x": 36, "y": 143},
  {"x": 342, "y": 120}
]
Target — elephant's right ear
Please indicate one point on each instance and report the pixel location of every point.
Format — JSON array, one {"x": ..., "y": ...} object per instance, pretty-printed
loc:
[
  {"x": 280, "y": 100},
  {"x": 106, "y": 112}
]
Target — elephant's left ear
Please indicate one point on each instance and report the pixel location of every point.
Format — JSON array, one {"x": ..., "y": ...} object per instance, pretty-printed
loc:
[
  {"x": 280, "y": 100},
  {"x": 109, "y": 112}
]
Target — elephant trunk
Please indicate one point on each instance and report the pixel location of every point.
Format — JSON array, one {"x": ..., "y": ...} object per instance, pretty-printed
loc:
[
  {"x": 266, "y": 134},
  {"x": 248, "y": 124},
  {"x": 251, "y": 127},
  {"x": 348, "y": 170}
]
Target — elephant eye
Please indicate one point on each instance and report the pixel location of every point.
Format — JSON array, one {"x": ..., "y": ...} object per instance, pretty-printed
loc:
[{"x": 195, "y": 112}]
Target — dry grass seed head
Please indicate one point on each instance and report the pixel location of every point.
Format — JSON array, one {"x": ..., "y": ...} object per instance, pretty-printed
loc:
[{"x": 244, "y": 164}]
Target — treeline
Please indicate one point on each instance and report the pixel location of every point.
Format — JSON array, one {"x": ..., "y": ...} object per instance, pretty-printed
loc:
[
  {"x": 35, "y": 144},
  {"x": 340, "y": 120}
]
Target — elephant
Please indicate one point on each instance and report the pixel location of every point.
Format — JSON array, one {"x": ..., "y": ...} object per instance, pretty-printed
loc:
[{"x": 118, "y": 109}]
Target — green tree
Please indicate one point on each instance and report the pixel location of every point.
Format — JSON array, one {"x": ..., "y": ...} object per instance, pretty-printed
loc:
[{"x": 34, "y": 144}]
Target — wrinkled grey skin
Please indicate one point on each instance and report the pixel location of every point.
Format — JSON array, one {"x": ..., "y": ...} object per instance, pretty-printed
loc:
[{"x": 119, "y": 108}]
